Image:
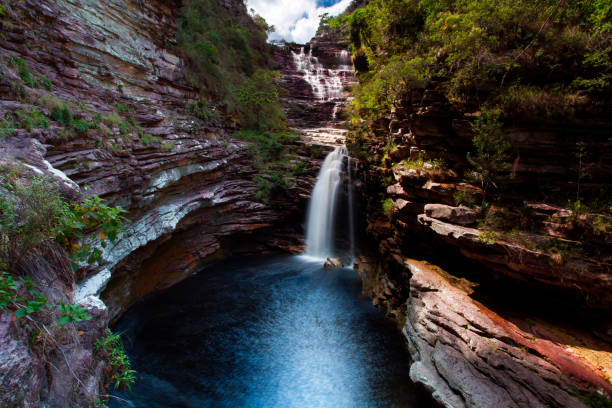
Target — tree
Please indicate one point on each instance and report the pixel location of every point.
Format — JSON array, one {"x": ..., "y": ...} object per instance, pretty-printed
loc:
[{"x": 491, "y": 159}]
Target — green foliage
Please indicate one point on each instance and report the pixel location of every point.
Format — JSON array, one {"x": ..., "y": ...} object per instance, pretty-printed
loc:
[
  {"x": 595, "y": 400},
  {"x": 71, "y": 313},
  {"x": 10, "y": 296},
  {"x": 62, "y": 114},
  {"x": 556, "y": 56},
  {"x": 464, "y": 197},
  {"x": 221, "y": 47},
  {"x": 33, "y": 216},
  {"x": 389, "y": 207},
  {"x": 123, "y": 108},
  {"x": 44, "y": 82},
  {"x": 148, "y": 138},
  {"x": 227, "y": 58},
  {"x": 258, "y": 106},
  {"x": 490, "y": 161},
  {"x": 82, "y": 126},
  {"x": 487, "y": 237},
  {"x": 29, "y": 119},
  {"x": 23, "y": 70},
  {"x": 8, "y": 290},
  {"x": 274, "y": 160},
  {"x": 201, "y": 111},
  {"x": 111, "y": 347},
  {"x": 7, "y": 125},
  {"x": 23, "y": 297},
  {"x": 167, "y": 147}
]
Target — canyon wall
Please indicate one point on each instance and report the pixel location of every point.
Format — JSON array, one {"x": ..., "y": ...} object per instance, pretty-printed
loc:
[
  {"x": 516, "y": 317},
  {"x": 185, "y": 182}
]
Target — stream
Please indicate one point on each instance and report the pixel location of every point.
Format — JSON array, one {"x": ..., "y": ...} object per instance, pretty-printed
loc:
[{"x": 266, "y": 332}]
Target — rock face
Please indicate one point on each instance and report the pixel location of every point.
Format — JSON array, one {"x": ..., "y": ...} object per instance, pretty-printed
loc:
[
  {"x": 556, "y": 259},
  {"x": 186, "y": 184},
  {"x": 114, "y": 57},
  {"x": 534, "y": 239},
  {"x": 469, "y": 356},
  {"x": 45, "y": 364},
  {"x": 316, "y": 77}
]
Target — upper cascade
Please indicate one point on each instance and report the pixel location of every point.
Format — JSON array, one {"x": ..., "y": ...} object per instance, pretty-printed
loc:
[
  {"x": 317, "y": 77},
  {"x": 326, "y": 83}
]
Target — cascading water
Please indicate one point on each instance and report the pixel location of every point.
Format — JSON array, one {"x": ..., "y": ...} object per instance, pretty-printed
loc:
[
  {"x": 322, "y": 207},
  {"x": 326, "y": 83},
  {"x": 327, "y": 87},
  {"x": 351, "y": 220}
]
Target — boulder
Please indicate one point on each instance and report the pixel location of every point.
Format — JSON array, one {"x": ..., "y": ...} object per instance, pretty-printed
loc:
[
  {"x": 333, "y": 263},
  {"x": 455, "y": 215}
]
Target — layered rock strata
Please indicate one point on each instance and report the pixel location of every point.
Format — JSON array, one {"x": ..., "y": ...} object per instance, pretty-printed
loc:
[
  {"x": 556, "y": 259},
  {"x": 134, "y": 141},
  {"x": 469, "y": 356}
]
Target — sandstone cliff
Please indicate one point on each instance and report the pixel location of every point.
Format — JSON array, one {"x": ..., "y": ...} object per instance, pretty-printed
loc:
[
  {"x": 136, "y": 142},
  {"x": 541, "y": 310}
]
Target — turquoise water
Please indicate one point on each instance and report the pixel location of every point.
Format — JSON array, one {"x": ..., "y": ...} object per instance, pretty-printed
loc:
[{"x": 266, "y": 332}]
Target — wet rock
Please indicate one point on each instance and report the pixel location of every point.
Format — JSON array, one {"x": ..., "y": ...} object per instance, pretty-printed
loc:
[{"x": 333, "y": 263}]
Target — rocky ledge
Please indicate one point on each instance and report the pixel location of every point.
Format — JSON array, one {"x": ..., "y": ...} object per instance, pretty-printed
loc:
[{"x": 467, "y": 355}]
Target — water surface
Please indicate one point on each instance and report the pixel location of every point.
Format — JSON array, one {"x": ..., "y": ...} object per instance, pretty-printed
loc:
[{"x": 266, "y": 332}]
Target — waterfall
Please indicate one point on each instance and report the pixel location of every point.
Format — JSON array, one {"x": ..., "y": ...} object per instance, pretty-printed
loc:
[
  {"x": 351, "y": 211},
  {"x": 326, "y": 83},
  {"x": 322, "y": 207}
]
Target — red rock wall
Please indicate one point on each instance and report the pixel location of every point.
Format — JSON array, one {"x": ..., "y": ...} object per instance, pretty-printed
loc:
[{"x": 105, "y": 55}]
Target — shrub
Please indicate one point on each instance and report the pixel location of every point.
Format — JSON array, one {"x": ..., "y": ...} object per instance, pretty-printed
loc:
[
  {"x": 203, "y": 112},
  {"x": 44, "y": 82},
  {"x": 473, "y": 52},
  {"x": 62, "y": 114},
  {"x": 33, "y": 216},
  {"x": 389, "y": 207},
  {"x": 122, "y": 108},
  {"x": 490, "y": 161},
  {"x": 228, "y": 59},
  {"x": 274, "y": 161},
  {"x": 82, "y": 126},
  {"x": 23, "y": 70},
  {"x": 111, "y": 347},
  {"x": 148, "y": 138}
]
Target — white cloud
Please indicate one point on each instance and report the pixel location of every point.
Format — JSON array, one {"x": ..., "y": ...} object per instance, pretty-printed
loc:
[{"x": 294, "y": 20}]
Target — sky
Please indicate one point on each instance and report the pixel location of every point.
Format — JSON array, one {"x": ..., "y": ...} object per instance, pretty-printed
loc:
[{"x": 296, "y": 20}]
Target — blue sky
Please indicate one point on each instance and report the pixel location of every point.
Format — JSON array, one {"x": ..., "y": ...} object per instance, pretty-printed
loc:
[{"x": 296, "y": 20}]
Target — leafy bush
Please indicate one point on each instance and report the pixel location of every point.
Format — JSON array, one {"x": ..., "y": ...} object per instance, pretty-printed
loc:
[
  {"x": 556, "y": 58},
  {"x": 62, "y": 114},
  {"x": 82, "y": 126},
  {"x": 203, "y": 112},
  {"x": 33, "y": 216},
  {"x": 71, "y": 313},
  {"x": 490, "y": 161},
  {"x": 275, "y": 162},
  {"x": 388, "y": 207},
  {"x": 148, "y": 138},
  {"x": 22, "y": 296},
  {"x": 23, "y": 70},
  {"x": 44, "y": 82},
  {"x": 228, "y": 59},
  {"x": 111, "y": 347}
]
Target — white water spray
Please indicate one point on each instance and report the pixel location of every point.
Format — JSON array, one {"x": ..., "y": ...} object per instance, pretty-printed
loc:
[
  {"x": 326, "y": 83},
  {"x": 322, "y": 207},
  {"x": 351, "y": 212}
]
